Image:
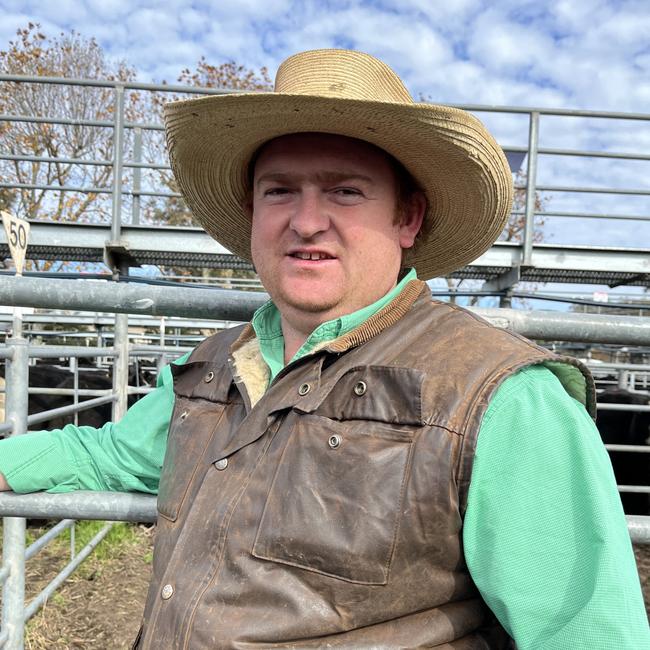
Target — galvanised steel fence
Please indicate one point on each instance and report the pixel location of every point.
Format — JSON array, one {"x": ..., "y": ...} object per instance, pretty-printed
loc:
[
  {"x": 139, "y": 193},
  {"x": 124, "y": 237},
  {"x": 191, "y": 302}
]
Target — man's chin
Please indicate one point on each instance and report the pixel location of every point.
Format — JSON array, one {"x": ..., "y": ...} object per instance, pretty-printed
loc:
[{"x": 311, "y": 305}]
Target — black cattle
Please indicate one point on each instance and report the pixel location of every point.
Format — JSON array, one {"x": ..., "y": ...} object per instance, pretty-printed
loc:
[
  {"x": 627, "y": 428},
  {"x": 51, "y": 376}
]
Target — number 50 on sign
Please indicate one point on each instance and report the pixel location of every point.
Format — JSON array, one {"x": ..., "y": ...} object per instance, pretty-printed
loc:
[{"x": 17, "y": 231}]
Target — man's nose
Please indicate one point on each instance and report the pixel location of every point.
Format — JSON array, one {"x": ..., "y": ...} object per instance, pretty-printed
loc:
[{"x": 310, "y": 215}]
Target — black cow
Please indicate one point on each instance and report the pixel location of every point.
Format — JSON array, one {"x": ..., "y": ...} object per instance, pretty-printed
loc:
[
  {"x": 627, "y": 428},
  {"x": 50, "y": 376}
]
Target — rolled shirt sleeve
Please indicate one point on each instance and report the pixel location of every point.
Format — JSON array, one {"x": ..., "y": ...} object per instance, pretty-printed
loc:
[{"x": 545, "y": 536}]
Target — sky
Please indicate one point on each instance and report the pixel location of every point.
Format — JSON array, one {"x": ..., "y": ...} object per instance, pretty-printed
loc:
[
  {"x": 572, "y": 54},
  {"x": 588, "y": 54}
]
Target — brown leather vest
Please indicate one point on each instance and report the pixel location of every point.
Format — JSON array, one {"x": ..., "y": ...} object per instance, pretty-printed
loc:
[{"x": 330, "y": 513}]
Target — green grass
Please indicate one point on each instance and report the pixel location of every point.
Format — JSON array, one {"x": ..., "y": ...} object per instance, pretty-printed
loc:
[{"x": 109, "y": 548}]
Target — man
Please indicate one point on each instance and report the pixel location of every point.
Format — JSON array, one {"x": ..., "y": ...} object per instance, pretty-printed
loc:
[{"x": 324, "y": 481}]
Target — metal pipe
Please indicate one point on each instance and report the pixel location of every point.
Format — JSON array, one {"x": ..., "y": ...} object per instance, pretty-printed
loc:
[
  {"x": 595, "y": 190},
  {"x": 13, "y": 549},
  {"x": 636, "y": 489},
  {"x": 46, "y": 538},
  {"x": 564, "y": 326},
  {"x": 114, "y": 506},
  {"x": 82, "y": 392},
  {"x": 62, "y": 410},
  {"x": 639, "y": 528},
  {"x": 137, "y": 177},
  {"x": 74, "y": 366},
  {"x": 121, "y": 366},
  {"x": 587, "y": 215},
  {"x": 623, "y": 407},
  {"x": 84, "y": 161},
  {"x": 531, "y": 179},
  {"x": 643, "y": 449},
  {"x": 56, "y": 351},
  {"x": 233, "y": 305},
  {"x": 58, "y": 188},
  {"x": 65, "y": 573},
  {"x": 118, "y": 153},
  {"x": 185, "y": 300},
  {"x": 86, "y": 190},
  {"x": 66, "y": 410}
]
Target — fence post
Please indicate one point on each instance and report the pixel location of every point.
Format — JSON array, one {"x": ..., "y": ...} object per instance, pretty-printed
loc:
[
  {"x": 531, "y": 182},
  {"x": 118, "y": 153},
  {"x": 13, "y": 595},
  {"x": 137, "y": 175},
  {"x": 121, "y": 361}
]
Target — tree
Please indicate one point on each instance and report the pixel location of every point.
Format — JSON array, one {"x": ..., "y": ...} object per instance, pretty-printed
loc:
[
  {"x": 172, "y": 210},
  {"x": 227, "y": 76},
  {"x": 514, "y": 229},
  {"x": 75, "y": 57}
]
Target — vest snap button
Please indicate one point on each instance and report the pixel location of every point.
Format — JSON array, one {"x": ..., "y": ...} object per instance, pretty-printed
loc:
[
  {"x": 360, "y": 388},
  {"x": 304, "y": 389},
  {"x": 209, "y": 377},
  {"x": 184, "y": 414},
  {"x": 167, "y": 592},
  {"x": 334, "y": 441},
  {"x": 221, "y": 464}
]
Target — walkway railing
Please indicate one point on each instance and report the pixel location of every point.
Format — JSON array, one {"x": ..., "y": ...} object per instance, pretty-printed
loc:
[{"x": 138, "y": 191}]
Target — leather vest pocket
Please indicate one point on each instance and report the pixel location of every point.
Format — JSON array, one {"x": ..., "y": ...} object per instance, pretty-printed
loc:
[
  {"x": 335, "y": 503},
  {"x": 190, "y": 432}
]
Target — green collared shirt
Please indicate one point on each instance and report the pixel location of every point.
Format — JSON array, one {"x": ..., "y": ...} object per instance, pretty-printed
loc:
[
  {"x": 268, "y": 327},
  {"x": 544, "y": 535}
]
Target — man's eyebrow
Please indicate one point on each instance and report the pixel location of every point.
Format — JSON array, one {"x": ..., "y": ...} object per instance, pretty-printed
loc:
[{"x": 325, "y": 176}]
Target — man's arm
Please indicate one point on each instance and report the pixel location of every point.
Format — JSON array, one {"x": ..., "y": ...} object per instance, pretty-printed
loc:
[
  {"x": 4, "y": 486},
  {"x": 122, "y": 456},
  {"x": 545, "y": 536}
]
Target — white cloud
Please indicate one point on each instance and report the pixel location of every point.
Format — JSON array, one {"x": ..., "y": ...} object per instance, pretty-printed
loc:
[{"x": 591, "y": 54}]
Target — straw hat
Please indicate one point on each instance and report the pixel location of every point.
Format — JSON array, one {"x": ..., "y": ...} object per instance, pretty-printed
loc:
[{"x": 454, "y": 159}]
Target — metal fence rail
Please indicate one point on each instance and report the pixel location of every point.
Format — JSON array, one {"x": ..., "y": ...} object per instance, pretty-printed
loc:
[
  {"x": 126, "y": 163},
  {"x": 196, "y": 303}
]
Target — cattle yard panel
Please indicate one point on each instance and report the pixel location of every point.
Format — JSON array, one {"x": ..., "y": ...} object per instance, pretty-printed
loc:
[
  {"x": 531, "y": 129},
  {"x": 228, "y": 305}
]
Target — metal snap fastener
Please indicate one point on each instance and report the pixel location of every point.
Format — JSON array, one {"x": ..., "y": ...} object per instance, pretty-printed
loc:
[
  {"x": 167, "y": 592},
  {"x": 184, "y": 414},
  {"x": 221, "y": 464},
  {"x": 360, "y": 388},
  {"x": 334, "y": 441},
  {"x": 304, "y": 389},
  {"x": 209, "y": 377}
]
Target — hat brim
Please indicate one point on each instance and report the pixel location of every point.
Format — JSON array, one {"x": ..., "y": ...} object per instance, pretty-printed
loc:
[{"x": 462, "y": 170}]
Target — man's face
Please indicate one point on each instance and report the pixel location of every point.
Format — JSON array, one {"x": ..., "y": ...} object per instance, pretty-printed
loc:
[{"x": 325, "y": 237}]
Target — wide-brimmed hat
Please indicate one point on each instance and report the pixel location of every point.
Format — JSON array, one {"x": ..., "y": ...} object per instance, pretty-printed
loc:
[{"x": 451, "y": 155}]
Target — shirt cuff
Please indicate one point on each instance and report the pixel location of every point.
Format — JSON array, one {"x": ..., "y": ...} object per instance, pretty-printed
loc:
[{"x": 34, "y": 462}]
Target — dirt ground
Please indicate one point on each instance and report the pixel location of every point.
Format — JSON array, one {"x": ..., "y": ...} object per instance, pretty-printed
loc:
[{"x": 100, "y": 606}]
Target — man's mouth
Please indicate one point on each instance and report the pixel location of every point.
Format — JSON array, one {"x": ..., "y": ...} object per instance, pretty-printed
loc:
[{"x": 311, "y": 256}]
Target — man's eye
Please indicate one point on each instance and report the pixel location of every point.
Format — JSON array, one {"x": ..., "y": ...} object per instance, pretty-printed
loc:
[
  {"x": 347, "y": 191},
  {"x": 276, "y": 191}
]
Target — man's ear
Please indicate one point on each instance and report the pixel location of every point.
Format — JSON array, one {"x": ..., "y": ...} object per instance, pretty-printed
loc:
[{"x": 412, "y": 218}]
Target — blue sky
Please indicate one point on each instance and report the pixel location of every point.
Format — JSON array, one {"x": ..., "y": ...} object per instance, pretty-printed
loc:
[
  {"x": 577, "y": 54},
  {"x": 587, "y": 54}
]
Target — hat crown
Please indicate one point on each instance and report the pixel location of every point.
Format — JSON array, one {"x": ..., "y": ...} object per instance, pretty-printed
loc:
[{"x": 346, "y": 74}]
